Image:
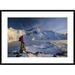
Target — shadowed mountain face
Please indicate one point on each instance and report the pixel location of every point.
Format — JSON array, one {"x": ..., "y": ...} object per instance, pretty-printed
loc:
[
  {"x": 54, "y": 36},
  {"x": 37, "y": 34}
]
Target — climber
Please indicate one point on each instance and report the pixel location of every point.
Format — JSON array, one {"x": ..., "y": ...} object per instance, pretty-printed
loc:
[{"x": 22, "y": 46}]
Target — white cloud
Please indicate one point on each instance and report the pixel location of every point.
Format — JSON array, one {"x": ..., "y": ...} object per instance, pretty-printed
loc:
[{"x": 13, "y": 34}]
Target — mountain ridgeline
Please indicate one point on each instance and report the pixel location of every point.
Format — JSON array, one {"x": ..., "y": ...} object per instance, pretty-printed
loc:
[{"x": 37, "y": 34}]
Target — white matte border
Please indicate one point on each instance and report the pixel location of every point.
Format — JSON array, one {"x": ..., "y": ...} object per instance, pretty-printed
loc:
[{"x": 6, "y": 59}]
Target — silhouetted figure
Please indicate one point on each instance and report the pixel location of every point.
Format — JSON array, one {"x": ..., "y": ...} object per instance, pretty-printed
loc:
[{"x": 22, "y": 46}]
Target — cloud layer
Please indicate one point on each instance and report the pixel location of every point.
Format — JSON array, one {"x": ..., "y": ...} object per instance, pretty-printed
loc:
[{"x": 14, "y": 34}]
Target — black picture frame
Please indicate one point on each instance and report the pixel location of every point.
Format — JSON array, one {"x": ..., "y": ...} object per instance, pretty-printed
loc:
[{"x": 34, "y": 63}]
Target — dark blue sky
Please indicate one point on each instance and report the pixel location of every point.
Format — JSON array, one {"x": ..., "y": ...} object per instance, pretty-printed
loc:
[{"x": 56, "y": 24}]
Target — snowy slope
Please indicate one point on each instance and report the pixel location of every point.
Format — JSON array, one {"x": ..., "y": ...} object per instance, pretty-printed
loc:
[
  {"x": 37, "y": 34},
  {"x": 38, "y": 43}
]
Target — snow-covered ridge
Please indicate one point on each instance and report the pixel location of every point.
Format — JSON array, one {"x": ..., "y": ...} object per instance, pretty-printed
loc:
[
  {"x": 39, "y": 43},
  {"x": 35, "y": 34}
]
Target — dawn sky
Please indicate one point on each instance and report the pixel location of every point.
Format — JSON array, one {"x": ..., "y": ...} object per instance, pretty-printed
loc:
[{"x": 56, "y": 24}]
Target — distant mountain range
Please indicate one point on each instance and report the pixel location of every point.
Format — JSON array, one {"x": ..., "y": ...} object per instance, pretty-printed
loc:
[{"x": 37, "y": 34}]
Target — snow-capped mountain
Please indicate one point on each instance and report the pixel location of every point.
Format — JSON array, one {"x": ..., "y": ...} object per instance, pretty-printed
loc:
[
  {"x": 54, "y": 36},
  {"x": 40, "y": 44},
  {"x": 37, "y": 34}
]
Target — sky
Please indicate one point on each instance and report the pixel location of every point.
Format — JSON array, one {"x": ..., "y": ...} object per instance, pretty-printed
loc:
[{"x": 54, "y": 24}]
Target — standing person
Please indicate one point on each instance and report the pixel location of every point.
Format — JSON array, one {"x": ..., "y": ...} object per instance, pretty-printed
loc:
[{"x": 22, "y": 46}]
